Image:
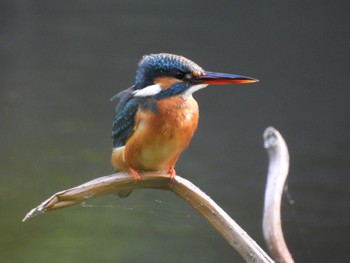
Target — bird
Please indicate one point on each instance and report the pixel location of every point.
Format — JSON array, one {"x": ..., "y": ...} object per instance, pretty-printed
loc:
[{"x": 156, "y": 118}]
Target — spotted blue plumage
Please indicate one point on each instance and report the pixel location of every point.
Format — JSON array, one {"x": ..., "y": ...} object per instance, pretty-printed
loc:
[{"x": 162, "y": 64}]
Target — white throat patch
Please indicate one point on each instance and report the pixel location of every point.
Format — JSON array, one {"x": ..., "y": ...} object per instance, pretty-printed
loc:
[{"x": 192, "y": 89}]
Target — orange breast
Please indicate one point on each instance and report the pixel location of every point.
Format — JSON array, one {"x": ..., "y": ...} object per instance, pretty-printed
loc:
[{"x": 159, "y": 138}]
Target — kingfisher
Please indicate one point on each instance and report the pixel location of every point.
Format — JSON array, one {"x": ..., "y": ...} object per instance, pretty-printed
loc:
[{"x": 155, "y": 118}]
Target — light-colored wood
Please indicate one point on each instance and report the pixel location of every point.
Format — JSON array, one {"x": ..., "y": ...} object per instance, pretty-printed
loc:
[
  {"x": 276, "y": 178},
  {"x": 217, "y": 217},
  {"x": 226, "y": 226}
]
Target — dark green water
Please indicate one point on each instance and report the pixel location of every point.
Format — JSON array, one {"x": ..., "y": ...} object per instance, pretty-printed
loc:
[{"x": 61, "y": 62}]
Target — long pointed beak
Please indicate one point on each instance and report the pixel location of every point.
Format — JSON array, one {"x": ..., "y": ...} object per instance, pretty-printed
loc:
[{"x": 208, "y": 77}]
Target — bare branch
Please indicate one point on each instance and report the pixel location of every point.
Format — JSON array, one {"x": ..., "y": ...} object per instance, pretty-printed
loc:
[
  {"x": 225, "y": 225},
  {"x": 98, "y": 187},
  {"x": 277, "y": 175}
]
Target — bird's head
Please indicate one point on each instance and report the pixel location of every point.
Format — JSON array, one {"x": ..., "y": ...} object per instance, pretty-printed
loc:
[{"x": 165, "y": 75}]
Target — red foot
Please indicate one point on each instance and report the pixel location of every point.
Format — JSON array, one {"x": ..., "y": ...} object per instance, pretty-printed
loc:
[
  {"x": 172, "y": 173},
  {"x": 135, "y": 174}
]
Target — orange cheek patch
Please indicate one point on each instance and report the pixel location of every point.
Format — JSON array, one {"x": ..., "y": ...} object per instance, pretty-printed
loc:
[
  {"x": 166, "y": 82},
  {"x": 198, "y": 74}
]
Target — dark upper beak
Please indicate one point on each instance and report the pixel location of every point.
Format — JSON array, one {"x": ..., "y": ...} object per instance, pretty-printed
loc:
[{"x": 208, "y": 77}]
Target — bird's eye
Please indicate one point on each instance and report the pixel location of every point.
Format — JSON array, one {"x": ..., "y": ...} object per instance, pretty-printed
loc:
[{"x": 179, "y": 75}]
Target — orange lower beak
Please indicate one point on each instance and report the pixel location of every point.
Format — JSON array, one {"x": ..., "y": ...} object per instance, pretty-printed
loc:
[{"x": 222, "y": 78}]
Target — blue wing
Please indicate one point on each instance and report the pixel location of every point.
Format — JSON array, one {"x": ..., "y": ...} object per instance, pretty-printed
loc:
[
  {"x": 125, "y": 111},
  {"x": 124, "y": 118}
]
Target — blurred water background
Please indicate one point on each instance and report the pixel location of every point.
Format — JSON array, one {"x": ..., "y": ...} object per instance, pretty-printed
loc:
[{"x": 61, "y": 62}]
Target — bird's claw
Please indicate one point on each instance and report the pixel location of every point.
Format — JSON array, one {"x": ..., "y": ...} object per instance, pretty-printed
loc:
[
  {"x": 172, "y": 173},
  {"x": 135, "y": 174}
]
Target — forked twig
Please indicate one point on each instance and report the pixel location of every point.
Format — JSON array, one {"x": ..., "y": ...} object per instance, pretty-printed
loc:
[{"x": 277, "y": 175}]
